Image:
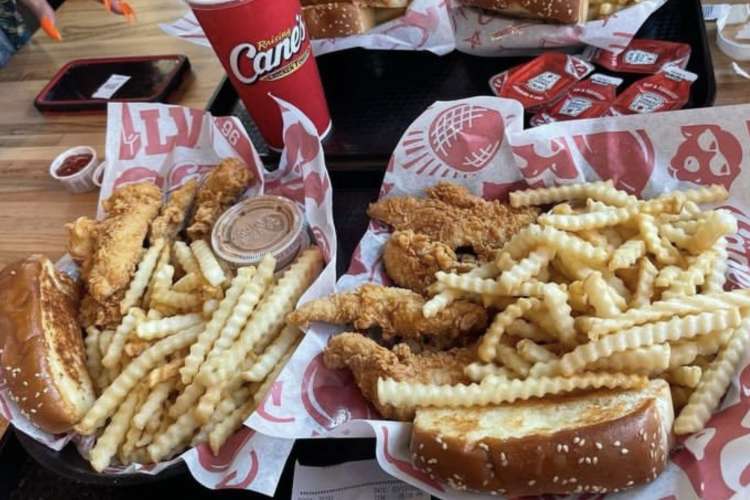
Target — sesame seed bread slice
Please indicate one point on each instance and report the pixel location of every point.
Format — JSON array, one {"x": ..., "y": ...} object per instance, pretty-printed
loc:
[
  {"x": 558, "y": 11},
  {"x": 43, "y": 356},
  {"x": 337, "y": 19},
  {"x": 589, "y": 443}
]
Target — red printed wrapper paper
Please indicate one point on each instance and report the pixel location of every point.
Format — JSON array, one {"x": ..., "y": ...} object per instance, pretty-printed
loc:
[
  {"x": 425, "y": 26},
  {"x": 481, "y": 33},
  {"x": 479, "y": 142},
  {"x": 169, "y": 145}
]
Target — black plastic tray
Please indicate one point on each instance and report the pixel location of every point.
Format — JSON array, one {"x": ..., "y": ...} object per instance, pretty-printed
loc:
[{"x": 374, "y": 95}]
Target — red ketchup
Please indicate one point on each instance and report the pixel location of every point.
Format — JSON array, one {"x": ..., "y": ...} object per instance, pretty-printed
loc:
[
  {"x": 589, "y": 98},
  {"x": 667, "y": 90},
  {"x": 73, "y": 164},
  {"x": 541, "y": 81},
  {"x": 642, "y": 56}
]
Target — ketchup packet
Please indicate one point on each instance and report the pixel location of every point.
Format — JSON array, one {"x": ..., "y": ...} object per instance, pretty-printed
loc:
[
  {"x": 541, "y": 81},
  {"x": 589, "y": 98},
  {"x": 641, "y": 56},
  {"x": 667, "y": 90}
]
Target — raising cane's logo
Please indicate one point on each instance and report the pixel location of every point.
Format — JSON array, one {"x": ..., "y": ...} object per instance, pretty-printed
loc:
[{"x": 271, "y": 59}]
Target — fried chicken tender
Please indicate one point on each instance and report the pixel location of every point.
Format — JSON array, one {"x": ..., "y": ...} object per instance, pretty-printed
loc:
[
  {"x": 398, "y": 312},
  {"x": 221, "y": 188},
  {"x": 81, "y": 243},
  {"x": 101, "y": 315},
  {"x": 411, "y": 260},
  {"x": 368, "y": 361},
  {"x": 452, "y": 215},
  {"x": 120, "y": 236},
  {"x": 174, "y": 212}
]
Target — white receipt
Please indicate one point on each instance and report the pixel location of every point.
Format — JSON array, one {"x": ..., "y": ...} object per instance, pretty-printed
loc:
[
  {"x": 363, "y": 480},
  {"x": 112, "y": 85}
]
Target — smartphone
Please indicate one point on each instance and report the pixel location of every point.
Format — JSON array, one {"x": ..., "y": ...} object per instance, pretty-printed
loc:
[{"x": 89, "y": 84}]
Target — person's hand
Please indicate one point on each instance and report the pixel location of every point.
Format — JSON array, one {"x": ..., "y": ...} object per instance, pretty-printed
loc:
[{"x": 46, "y": 14}]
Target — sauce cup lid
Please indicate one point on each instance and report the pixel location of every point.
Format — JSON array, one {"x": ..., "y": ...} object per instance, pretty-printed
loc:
[{"x": 258, "y": 226}]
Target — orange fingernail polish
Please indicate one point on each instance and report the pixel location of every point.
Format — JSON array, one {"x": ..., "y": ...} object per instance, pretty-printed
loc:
[
  {"x": 50, "y": 29},
  {"x": 108, "y": 5}
]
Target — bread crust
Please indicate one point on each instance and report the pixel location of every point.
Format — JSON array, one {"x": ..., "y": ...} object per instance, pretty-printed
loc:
[
  {"x": 33, "y": 295},
  {"x": 558, "y": 11},
  {"x": 331, "y": 20},
  {"x": 611, "y": 455}
]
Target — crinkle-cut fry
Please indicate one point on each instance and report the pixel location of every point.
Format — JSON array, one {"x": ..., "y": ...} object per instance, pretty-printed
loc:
[
  {"x": 667, "y": 275},
  {"x": 713, "y": 193},
  {"x": 533, "y": 352},
  {"x": 715, "y": 225},
  {"x": 667, "y": 308},
  {"x": 209, "y": 307},
  {"x": 509, "y": 358},
  {"x": 689, "y": 226},
  {"x": 187, "y": 399},
  {"x": 712, "y": 343},
  {"x": 142, "y": 276},
  {"x": 107, "y": 444},
  {"x": 556, "y": 300},
  {"x": 158, "y": 328},
  {"x": 662, "y": 249},
  {"x": 117, "y": 344},
  {"x": 594, "y": 237},
  {"x": 221, "y": 432},
  {"x": 644, "y": 291},
  {"x": 208, "y": 402},
  {"x": 106, "y": 404},
  {"x": 600, "y": 297},
  {"x": 686, "y": 376},
  {"x": 167, "y": 442},
  {"x": 526, "y": 268},
  {"x": 185, "y": 258},
  {"x": 226, "y": 406},
  {"x": 680, "y": 396},
  {"x": 627, "y": 254},
  {"x": 270, "y": 314},
  {"x": 147, "y": 436},
  {"x": 591, "y": 220},
  {"x": 153, "y": 403},
  {"x": 597, "y": 206},
  {"x": 105, "y": 338},
  {"x": 650, "y": 360},
  {"x": 470, "y": 284},
  {"x": 540, "y": 317},
  {"x": 707, "y": 395},
  {"x": 275, "y": 351},
  {"x": 563, "y": 209},
  {"x": 93, "y": 356},
  {"x": 444, "y": 298},
  {"x": 497, "y": 390},
  {"x": 563, "y": 242},
  {"x": 652, "y": 333},
  {"x": 577, "y": 298},
  {"x": 247, "y": 302},
  {"x": 179, "y": 301},
  {"x": 676, "y": 235},
  {"x": 161, "y": 279},
  {"x": 524, "y": 329},
  {"x": 188, "y": 283},
  {"x": 210, "y": 267},
  {"x": 209, "y": 335},
  {"x": 479, "y": 371},
  {"x": 717, "y": 274},
  {"x": 504, "y": 262},
  {"x": 606, "y": 193},
  {"x": 165, "y": 372},
  {"x": 670, "y": 203},
  {"x": 683, "y": 352},
  {"x": 135, "y": 348},
  {"x": 487, "y": 350},
  {"x": 547, "y": 195},
  {"x": 154, "y": 314}
]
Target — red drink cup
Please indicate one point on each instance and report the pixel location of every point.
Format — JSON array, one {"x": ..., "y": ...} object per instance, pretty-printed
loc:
[{"x": 265, "y": 50}]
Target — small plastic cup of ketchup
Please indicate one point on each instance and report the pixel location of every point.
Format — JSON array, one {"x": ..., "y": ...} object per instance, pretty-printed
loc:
[{"x": 74, "y": 168}]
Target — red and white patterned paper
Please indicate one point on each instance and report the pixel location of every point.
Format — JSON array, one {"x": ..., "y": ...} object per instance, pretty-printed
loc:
[
  {"x": 481, "y": 33},
  {"x": 479, "y": 142},
  {"x": 425, "y": 26},
  {"x": 168, "y": 145}
]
